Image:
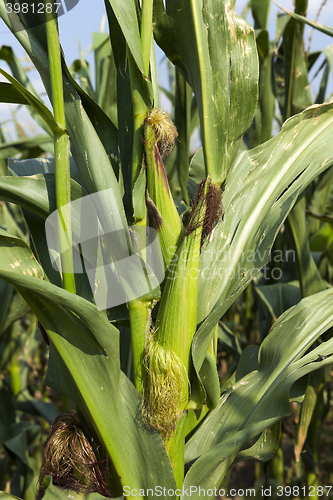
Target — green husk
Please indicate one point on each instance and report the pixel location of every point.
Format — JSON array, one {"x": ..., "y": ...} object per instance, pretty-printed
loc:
[
  {"x": 168, "y": 359},
  {"x": 160, "y": 134},
  {"x": 166, "y": 388}
]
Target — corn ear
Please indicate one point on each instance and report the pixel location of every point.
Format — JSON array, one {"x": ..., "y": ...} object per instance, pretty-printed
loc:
[
  {"x": 166, "y": 387},
  {"x": 176, "y": 322},
  {"x": 160, "y": 134},
  {"x": 177, "y": 315}
]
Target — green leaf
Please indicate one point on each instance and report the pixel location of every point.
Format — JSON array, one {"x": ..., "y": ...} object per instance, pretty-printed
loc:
[
  {"x": 55, "y": 493},
  {"x": 266, "y": 446},
  {"x": 139, "y": 196},
  {"x": 35, "y": 192},
  {"x": 314, "y": 24},
  {"x": 102, "y": 125},
  {"x": 7, "y": 54},
  {"x": 6, "y": 293},
  {"x": 263, "y": 394},
  {"x": 21, "y": 260},
  {"x": 281, "y": 22},
  {"x": 258, "y": 197},
  {"x": 36, "y": 195},
  {"x": 326, "y": 65},
  {"x": 127, "y": 18},
  {"x": 16, "y": 309},
  {"x": 210, "y": 381},
  {"x": 216, "y": 52},
  {"x": 320, "y": 200},
  {"x": 19, "y": 437},
  {"x": 36, "y": 103},
  {"x": 183, "y": 100},
  {"x": 279, "y": 297},
  {"x": 26, "y": 403},
  {"x": 260, "y": 12},
  {"x": 263, "y": 118},
  {"x": 23, "y": 146},
  {"x": 208, "y": 474},
  {"x": 106, "y": 75},
  {"x": 134, "y": 90},
  {"x": 197, "y": 167},
  {"x": 9, "y": 94},
  {"x": 85, "y": 365},
  {"x": 80, "y": 69},
  {"x": 309, "y": 277},
  {"x": 308, "y": 408},
  {"x": 36, "y": 226},
  {"x": 7, "y": 413},
  {"x": 293, "y": 91},
  {"x": 228, "y": 339},
  {"x": 93, "y": 136},
  {"x": 35, "y": 166},
  {"x": 7, "y": 496},
  {"x": 322, "y": 239},
  {"x": 124, "y": 105},
  {"x": 248, "y": 363}
]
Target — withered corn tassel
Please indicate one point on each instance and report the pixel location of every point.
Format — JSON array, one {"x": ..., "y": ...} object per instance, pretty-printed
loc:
[{"x": 69, "y": 458}]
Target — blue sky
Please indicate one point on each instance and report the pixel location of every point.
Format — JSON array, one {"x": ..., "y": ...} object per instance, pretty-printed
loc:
[{"x": 86, "y": 17}]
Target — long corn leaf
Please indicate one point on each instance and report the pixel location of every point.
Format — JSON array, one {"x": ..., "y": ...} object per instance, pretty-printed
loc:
[
  {"x": 216, "y": 52},
  {"x": 85, "y": 365},
  {"x": 262, "y": 396},
  {"x": 259, "y": 194},
  {"x": 314, "y": 24}
]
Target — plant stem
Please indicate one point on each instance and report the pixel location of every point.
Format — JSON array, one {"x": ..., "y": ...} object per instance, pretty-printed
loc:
[
  {"x": 277, "y": 465},
  {"x": 61, "y": 154},
  {"x": 15, "y": 379},
  {"x": 139, "y": 311}
]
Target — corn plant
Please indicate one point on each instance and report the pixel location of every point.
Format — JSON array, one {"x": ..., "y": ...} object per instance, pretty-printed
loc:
[{"x": 151, "y": 417}]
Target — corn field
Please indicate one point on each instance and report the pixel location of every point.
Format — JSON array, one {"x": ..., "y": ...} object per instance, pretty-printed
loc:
[{"x": 166, "y": 279}]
